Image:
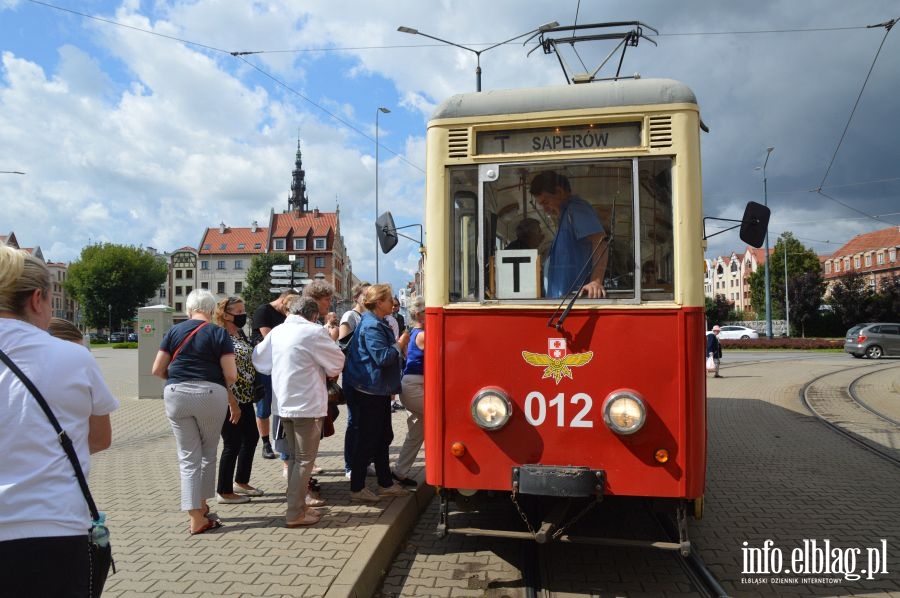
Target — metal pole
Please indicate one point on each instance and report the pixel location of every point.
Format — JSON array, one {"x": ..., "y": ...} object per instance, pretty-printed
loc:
[
  {"x": 768, "y": 288},
  {"x": 377, "y": 247},
  {"x": 787, "y": 305}
]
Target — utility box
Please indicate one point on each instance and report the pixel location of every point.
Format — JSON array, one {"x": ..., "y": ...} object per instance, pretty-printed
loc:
[{"x": 153, "y": 323}]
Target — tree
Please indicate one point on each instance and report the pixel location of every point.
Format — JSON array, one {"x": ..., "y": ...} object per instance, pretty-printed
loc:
[
  {"x": 718, "y": 310},
  {"x": 886, "y": 302},
  {"x": 851, "y": 298},
  {"x": 804, "y": 279},
  {"x": 258, "y": 281},
  {"x": 111, "y": 281}
]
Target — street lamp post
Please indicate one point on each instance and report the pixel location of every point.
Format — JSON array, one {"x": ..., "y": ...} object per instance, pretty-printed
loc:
[
  {"x": 110, "y": 318},
  {"x": 478, "y": 53},
  {"x": 787, "y": 305},
  {"x": 768, "y": 289},
  {"x": 377, "y": 248}
]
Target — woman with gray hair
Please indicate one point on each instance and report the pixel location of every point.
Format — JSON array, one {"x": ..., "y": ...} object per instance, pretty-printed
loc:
[
  {"x": 45, "y": 519},
  {"x": 196, "y": 359},
  {"x": 412, "y": 395}
]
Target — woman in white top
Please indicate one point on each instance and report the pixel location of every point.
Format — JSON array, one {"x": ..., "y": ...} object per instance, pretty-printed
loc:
[{"x": 44, "y": 519}]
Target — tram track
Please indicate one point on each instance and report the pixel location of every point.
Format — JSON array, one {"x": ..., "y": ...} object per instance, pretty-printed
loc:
[{"x": 839, "y": 406}]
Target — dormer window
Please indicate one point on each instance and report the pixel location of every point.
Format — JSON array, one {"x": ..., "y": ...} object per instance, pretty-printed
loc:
[
  {"x": 300, "y": 244},
  {"x": 319, "y": 243},
  {"x": 278, "y": 244}
]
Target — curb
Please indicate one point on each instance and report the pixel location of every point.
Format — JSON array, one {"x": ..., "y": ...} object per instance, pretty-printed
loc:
[{"x": 365, "y": 569}]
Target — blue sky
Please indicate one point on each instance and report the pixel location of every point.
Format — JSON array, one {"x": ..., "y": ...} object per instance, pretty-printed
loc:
[{"x": 134, "y": 137}]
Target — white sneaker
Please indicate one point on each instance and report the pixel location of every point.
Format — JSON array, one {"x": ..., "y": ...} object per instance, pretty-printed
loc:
[
  {"x": 364, "y": 495},
  {"x": 370, "y": 470},
  {"x": 347, "y": 474},
  {"x": 395, "y": 490}
]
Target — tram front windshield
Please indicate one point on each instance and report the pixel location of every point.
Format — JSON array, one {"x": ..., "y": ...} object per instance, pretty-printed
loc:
[{"x": 501, "y": 240}]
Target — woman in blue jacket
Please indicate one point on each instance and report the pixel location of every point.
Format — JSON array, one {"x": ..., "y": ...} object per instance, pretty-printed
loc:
[{"x": 371, "y": 376}]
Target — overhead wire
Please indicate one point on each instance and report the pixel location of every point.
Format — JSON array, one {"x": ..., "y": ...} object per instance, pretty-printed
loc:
[{"x": 240, "y": 56}]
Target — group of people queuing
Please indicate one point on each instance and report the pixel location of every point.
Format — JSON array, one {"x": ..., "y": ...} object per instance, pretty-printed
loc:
[{"x": 274, "y": 386}]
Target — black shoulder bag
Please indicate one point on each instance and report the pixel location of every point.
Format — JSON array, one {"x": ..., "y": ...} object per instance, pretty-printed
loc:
[{"x": 101, "y": 551}]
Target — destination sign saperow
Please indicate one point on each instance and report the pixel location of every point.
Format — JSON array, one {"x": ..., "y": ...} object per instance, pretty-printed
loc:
[{"x": 559, "y": 139}]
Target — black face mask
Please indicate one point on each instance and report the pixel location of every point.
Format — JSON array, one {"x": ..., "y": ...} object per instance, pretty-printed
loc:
[{"x": 240, "y": 320}]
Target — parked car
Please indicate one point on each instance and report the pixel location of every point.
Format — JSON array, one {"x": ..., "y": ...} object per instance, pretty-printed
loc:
[
  {"x": 132, "y": 337},
  {"x": 97, "y": 337},
  {"x": 117, "y": 337},
  {"x": 731, "y": 332},
  {"x": 873, "y": 340}
]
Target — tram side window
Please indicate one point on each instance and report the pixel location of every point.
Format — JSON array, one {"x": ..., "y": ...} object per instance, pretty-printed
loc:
[
  {"x": 513, "y": 220},
  {"x": 657, "y": 243},
  {"x": 464, "y": 264}
]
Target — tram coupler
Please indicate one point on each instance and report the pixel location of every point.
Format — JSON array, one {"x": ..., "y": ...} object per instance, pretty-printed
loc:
[{"x": 551, "y": 523}]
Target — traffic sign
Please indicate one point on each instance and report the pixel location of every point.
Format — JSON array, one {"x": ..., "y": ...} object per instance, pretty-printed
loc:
[
  {"x": 279, "y": 290},
  {"x": 281, "y": 281},
  {"x": 287, "y": 267},
  {"x": 280, "y": 274}
]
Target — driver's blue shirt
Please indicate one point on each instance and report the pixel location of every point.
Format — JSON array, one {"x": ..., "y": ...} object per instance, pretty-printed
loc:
[{"x": 570, "y": 253}]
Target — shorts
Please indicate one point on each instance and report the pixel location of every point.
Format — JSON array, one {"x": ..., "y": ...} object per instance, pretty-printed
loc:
[{"x": 264, "y": 405}]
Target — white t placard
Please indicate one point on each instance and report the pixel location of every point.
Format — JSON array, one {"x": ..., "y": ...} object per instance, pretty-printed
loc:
[{"x": 518, "y": 274}]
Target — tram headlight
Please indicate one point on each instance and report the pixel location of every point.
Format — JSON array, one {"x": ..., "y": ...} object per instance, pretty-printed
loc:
[
  {"x": 624, "y": 412},
  {"x": 491, "y": 408}
]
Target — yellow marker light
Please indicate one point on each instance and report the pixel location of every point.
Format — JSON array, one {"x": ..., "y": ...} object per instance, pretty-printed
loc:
[
  {"x": 661, "y": 456},
  {"x": 457, "y": 449}
]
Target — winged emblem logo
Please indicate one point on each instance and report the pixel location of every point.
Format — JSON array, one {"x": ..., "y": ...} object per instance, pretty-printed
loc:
[{"x": 557, "y": 362}]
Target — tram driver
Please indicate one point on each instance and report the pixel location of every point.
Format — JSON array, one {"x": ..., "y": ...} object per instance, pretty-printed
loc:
[{"x": 576, "y": 248}]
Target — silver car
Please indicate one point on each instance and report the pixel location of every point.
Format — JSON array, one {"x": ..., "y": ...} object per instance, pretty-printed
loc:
[{"x": 873, "y": 340}]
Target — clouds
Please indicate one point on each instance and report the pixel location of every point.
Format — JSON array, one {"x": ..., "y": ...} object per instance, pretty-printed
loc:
[{"x": 138, "y": 138}]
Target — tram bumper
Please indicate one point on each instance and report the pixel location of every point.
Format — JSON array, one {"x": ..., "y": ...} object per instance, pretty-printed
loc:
[{"x": 560, "y": 481}]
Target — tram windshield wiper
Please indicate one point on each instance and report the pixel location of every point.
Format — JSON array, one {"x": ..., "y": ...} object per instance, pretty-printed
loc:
[{"x": 575, "y": 289}]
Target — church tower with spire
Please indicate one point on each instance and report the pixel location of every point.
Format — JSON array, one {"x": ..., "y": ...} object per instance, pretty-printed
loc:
[{"x": 298, "y": 201}]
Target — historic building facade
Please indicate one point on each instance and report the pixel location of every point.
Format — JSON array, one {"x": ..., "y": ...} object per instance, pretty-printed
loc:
[{"x": 873, "y": 255}]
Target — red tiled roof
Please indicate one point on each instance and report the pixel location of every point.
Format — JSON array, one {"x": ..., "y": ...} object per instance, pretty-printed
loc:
[
  {"x": 293, "y": 224},
  {"x": 879, "y": 239},
  {"x": 234, "y": 240}
]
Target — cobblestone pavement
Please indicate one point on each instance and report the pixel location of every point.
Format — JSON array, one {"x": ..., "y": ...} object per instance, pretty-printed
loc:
[
  {"x": 136, "y": 481},
  {"x": 775, "y": 473}
]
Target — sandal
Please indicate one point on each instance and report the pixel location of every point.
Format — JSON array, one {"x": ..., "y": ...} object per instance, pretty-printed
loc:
[
  {"x": 309, "y": 518},
  {"x": 210, "y": 524}
]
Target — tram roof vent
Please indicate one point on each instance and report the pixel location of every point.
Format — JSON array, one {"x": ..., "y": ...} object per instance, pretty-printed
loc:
[
  {"x": 660, "y": 131},
  {"x": 458, "y": 143}
]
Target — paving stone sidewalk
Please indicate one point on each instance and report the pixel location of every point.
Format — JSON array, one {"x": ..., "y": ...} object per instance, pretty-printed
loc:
[{"x": 136, "y": 481}]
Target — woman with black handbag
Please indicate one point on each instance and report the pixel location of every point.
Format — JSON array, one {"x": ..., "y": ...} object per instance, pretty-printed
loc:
[{"x": 45, "y": 519}]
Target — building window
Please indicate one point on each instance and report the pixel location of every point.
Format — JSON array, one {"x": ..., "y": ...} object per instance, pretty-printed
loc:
[
  {"x": 892, "y": 255},
  {"x": 301, "y": 263},
  {"x": 189, "y": 274},
  {"x": 320, "y": 262},
  {"x": 827, "y": 267},
  {"x": 178, "y": 274},
  {"x": 868, "y": 260},
  {"x": 278, "y": 244},
  {"x": 178, "y": 306},
  {"x": 837, "y": 266},
  {"x": 238, "y": 287},
  {"x": 319, "y": 243},
  {"x": 300, "y": 244},
  {"x": 238, "y": 264},
  {"x": 178, "y": 291},
  {"x": 220, "y": 265},
  {"x": 220, "y": 287},
  {"x": 204, "y": 264},
  {"x": 204, "y": 285},
  {"x": 187, "y": 290},
  {"x": 880, "y": 259},
  {"x": 856, "y": 262}
]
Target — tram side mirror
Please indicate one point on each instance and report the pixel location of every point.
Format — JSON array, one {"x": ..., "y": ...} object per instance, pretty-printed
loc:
[
  {"x": 387, "y": 232},
  {"x": 754, "y": 224}
]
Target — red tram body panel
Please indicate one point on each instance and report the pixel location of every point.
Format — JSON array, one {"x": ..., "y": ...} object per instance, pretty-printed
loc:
[{"x": 656, "y": 352}]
